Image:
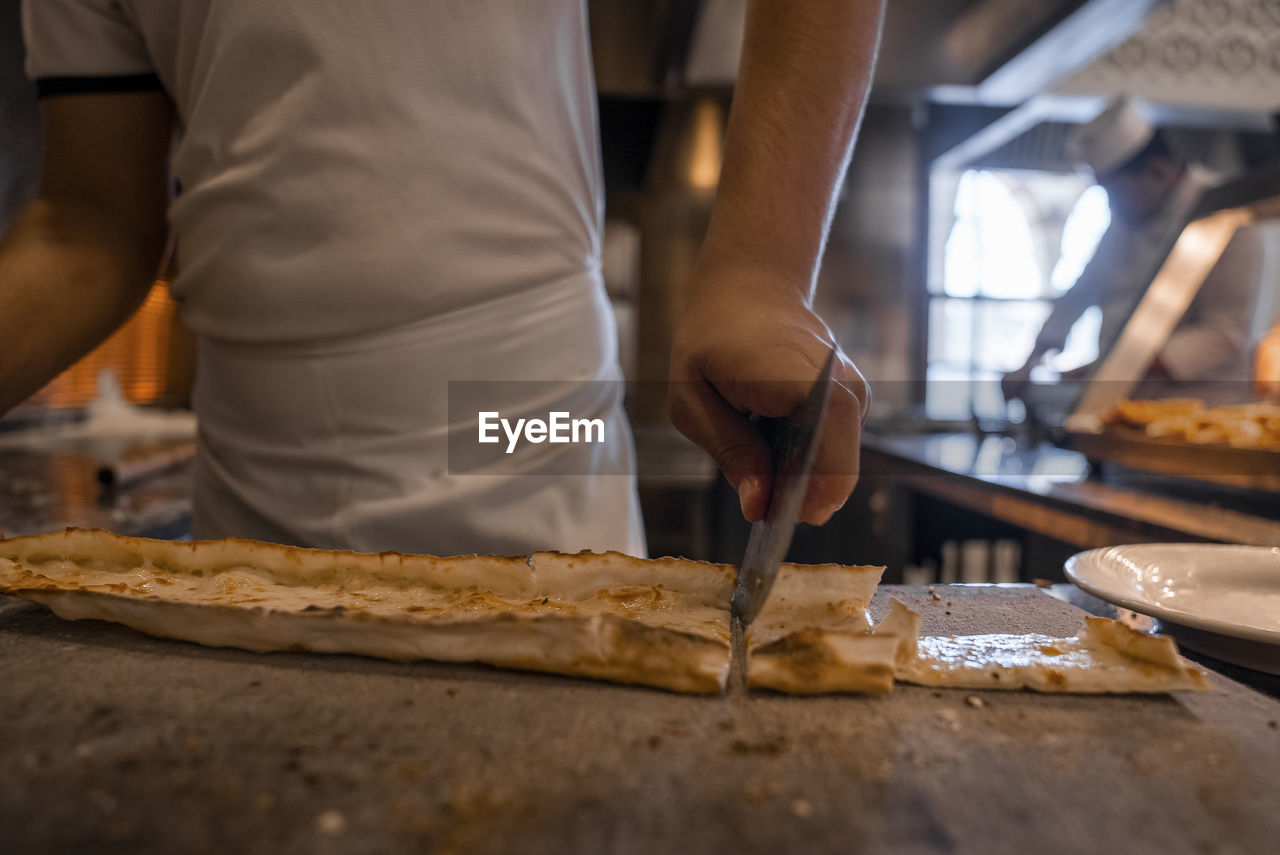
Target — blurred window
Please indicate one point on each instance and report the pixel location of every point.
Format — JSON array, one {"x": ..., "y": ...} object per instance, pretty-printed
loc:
[
  {"x": 1014, "y": 240},
  {"x": 989, "y": 251},
  {"x": 1089, "y": 218}
]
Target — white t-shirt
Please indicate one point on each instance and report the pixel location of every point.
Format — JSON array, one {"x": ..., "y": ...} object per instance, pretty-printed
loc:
[{"x": 376, "y": 198}]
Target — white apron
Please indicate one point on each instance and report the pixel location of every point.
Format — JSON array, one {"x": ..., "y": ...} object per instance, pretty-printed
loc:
[
  {"x": 378, "y": 197},
  {"x": 347, "y": 447}
]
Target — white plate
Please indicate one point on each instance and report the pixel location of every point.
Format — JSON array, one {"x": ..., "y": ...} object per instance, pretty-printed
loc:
[{"x": 1221, "y": 600}]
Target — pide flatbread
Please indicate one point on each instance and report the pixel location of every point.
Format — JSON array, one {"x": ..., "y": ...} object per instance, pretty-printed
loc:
[
  {"x": 663, "y": 622},
  {"x": 1140, "y": 413},
  {"x": 1250, "y": 426}
]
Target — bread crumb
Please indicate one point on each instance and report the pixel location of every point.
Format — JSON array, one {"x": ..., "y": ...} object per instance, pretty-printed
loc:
[
  {"x": 949, "y": 719},
  {"x": 331, "y": 822},
  {"x": 1041, "y": 583},
  {"x": 975, "y": 701},
  {"x": 802, "y": 808}
]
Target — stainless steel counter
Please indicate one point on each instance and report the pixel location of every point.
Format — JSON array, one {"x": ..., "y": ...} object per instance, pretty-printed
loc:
[
  {"x": 1049, "y": 490},
  {"x": 46, "y": 489},
  {"x": 114, "y": 741}
]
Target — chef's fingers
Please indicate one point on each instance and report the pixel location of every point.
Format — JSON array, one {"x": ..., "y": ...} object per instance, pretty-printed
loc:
[
  {"x": 836, "y": 466},
  {"x": 698, "y": 412},
  {"x": 773, "y": 379}
]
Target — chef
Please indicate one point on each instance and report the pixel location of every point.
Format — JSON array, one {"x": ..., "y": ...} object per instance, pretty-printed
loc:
[
  {"x": 1151, "y": 192},
  {"x": 384, "y": 203}
]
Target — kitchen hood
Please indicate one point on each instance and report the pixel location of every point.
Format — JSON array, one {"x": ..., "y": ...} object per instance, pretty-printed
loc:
[{"x": 996, "y": 52}]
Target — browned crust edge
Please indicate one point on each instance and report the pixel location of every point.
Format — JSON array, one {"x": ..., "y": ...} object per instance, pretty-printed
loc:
[{"x": 602, "y": 646}]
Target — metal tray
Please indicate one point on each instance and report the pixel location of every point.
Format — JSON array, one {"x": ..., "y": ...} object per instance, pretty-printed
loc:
[{"x": 1252, "y": 469}]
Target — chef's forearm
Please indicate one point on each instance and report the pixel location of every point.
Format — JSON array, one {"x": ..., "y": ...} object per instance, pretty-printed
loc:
[
  {"x": 1066, "y": 310},
  {"x": 69, "y": 275},
  {"x": 81, "y": 257},
  {"x": 802, "y": 85}
]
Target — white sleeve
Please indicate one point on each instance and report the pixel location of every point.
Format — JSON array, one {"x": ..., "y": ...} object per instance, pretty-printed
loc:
[
  {"x": 81, "y": 46},
  {"x": 1088, "y": 290}
]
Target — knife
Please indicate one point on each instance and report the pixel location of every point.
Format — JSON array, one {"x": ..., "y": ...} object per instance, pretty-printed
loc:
[{"x": 794, "y": 443}]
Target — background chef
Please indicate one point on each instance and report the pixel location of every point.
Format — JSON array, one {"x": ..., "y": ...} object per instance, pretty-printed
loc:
[
  {"x": 1151, "y": 192},
  {"x": 379, "y": 198}
]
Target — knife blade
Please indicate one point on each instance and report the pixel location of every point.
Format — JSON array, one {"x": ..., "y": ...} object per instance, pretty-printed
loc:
[{"x": 794, "y": 447}]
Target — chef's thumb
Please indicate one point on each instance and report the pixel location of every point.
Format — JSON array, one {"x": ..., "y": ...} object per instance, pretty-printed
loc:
[{"x": 698, "y": 412}]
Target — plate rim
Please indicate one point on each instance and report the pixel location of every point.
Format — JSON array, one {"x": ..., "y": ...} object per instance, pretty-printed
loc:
[{"x": 1154, "y": 609}]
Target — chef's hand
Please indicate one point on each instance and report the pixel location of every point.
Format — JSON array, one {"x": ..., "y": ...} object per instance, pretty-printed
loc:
[
  {"x": 1015, "y": 382},
  {"x": 750, "y": 343}
]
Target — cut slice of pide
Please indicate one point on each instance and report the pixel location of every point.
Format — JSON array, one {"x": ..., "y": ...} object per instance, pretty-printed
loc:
[
  {"x": 813, "y": 634},
  {"x": 839, "y": 653}
]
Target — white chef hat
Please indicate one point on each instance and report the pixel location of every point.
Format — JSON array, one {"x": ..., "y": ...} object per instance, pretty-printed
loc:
[{"x": 1112, "y": 139}]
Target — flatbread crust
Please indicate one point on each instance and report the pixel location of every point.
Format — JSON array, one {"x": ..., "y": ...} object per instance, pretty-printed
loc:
[
  {"x": 813, "y": 661},
  {"x": 582, "y": 615},
  {"x": 813, "y": 634}
]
